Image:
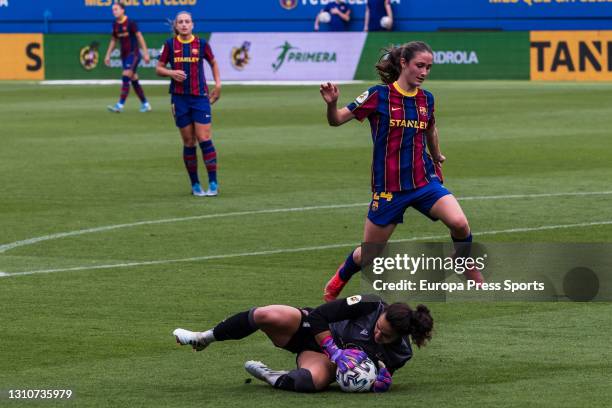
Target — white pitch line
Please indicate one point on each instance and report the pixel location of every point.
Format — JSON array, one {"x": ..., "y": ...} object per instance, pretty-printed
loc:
[
  {"x": 31, "y": 241},
  {"x": 291, "y": 250}
]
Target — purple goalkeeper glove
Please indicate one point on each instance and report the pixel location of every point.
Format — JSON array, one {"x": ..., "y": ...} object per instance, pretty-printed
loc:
[
  {"x": 383, "y": 379},
  {"x": 345, "y": 359}
]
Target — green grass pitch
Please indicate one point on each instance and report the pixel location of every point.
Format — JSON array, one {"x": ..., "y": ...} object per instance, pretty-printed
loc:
[{"x": 68, "y": 165}]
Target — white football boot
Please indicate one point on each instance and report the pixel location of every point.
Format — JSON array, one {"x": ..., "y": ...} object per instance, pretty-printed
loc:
[
  {"x": 261, "y": 371},
  {"x": 197, "y": 340}
]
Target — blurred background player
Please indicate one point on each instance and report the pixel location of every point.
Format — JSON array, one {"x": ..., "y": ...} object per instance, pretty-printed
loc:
[
  {"x": 320, "y": 337},
  {"x": 125, "y": 31},
  {"x": 374, "y": 12},
  {"x": 404, "y": 173},
  {"x": 186, "y": 54},
  {"x": 339, "y": 13}
]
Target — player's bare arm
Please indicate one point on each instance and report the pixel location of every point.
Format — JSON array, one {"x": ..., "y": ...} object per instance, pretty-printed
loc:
[
  {"x": 389, "y": 11},
  {"x": 433, "y": 145},
  {"x": 344, "y": 16},
  {"x": 111, "y": 47},
  {"x": 143, "y": 47},
  {"x": 215, "y": 94},
  {"x": 335, "y": 117},
  {"x": 175, "y": 74}
]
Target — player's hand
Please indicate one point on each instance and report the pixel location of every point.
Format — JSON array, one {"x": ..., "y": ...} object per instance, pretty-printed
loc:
[
  {"x": 345, "y": 359},
  {"x": 383, "y": 379},
  {"x": 329, "y": 92},
  {"x": 178, "y": 75},
  {"x": 215, "y": 94},
  {"x": 146, "y": 57},
  {"x": 334, "y": 11},
  {"x": 107, "y": 61},
  {"x": 440, "y": 158}
]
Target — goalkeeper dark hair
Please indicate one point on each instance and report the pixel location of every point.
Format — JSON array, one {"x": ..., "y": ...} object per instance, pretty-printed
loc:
[
  {"x": 418, "y": 324},
  {"x": 120, "y": 4},
  {"x": 389, "y": 67}
]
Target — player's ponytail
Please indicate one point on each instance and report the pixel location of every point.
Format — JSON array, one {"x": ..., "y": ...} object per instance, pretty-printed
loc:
[
  {"x": 416, "y": 323},
  {"x": 389, "y": 66}
]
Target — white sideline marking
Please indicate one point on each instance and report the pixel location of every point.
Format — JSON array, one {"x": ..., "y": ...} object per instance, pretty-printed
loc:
[
  {"x": 290, "y": 250},
  {"x": 31, "y": 241}
]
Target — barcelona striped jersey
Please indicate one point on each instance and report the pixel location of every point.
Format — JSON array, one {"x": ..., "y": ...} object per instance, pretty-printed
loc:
[
  {"x": 125, "y": 32},
  {"x": 188, "y": 56},
  {"x": 398, "y": 121}
]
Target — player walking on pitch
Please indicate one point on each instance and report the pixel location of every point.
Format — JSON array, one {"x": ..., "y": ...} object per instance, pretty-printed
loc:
[
  {"x": 186, "y": 54},
  {"x": 404, "y": 173},
  {"x": 339, "y": 334},
  {"x": 125, "y": 31}
]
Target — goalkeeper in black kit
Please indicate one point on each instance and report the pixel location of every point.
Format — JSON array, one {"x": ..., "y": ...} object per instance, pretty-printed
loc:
[{"x": 336, "y": 335}]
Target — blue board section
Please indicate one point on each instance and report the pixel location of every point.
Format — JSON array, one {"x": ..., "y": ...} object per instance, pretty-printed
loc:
[{"x": 298, "y": 15}]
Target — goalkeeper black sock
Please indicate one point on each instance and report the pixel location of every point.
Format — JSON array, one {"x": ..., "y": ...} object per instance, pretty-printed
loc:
[
  {"x": 236, "y": 327},
  {"x": 298, "y": 380}
]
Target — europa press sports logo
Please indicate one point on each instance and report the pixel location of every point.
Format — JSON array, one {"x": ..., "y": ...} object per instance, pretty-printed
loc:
[
  {"x": 89, "y": 56},
  {"x": 288, "y": 4},
  {"x": 240, "y": 56}
]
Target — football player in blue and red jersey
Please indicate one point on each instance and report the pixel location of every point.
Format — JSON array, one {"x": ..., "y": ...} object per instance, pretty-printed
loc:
[
  {"x": 374, "y": 12},
  {"x": 340, "y": 13},
  {"x": 131, "y": 44},
  {"x": 191, "y": 100},
  {"x": 406, "y": 163},
  {"x": 336, "y": 335}
]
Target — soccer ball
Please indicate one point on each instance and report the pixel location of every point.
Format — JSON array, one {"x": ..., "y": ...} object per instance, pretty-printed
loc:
[
  {"x": 385, "y": 22},
  {"x": 359, "y": 379},
  {"x": 324, "y": 17}
]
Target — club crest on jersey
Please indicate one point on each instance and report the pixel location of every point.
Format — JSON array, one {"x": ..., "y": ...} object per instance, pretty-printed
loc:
[
  {"x": 362, "y": 98},
  {"x": 353, "y": 300},
  {"x": 288, "y": 4},
  {"x": 422, "y": 110},
  {"x": 194, "y": 51}
]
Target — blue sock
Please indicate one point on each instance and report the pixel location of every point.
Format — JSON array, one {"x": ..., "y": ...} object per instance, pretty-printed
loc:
[
  {"x": 125, "y": 89},
  {"x": 463, "y": 246},
  {"x": 190, "y": 159},
  {"x": 349, "y": 268},
  {"x": 210, "y": 159}
]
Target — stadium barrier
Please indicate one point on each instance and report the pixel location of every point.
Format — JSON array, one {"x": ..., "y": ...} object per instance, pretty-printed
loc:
[
  {"x": 538, "y": 55},
  {"x": 81, "y": 56},
  {"x": 475, "y": 55},
  {"x": 22, "y": 56},
  {"x": 571, "y": 55}
]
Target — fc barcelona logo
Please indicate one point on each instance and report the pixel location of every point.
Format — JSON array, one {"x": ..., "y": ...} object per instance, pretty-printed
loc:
[
  {"x": 422, "y": 110},
  {"x": 194, "y": 51},
  {"x": 288, "y": 4}
]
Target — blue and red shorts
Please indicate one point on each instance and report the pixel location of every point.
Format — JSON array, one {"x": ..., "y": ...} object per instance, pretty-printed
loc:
[
  {"x": 389, "y": 208},
  {"x": 131, "y": 62},
  {"x": 188, "y": 109}
]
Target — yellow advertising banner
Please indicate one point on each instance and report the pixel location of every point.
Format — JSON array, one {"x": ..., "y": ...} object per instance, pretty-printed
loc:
[
  {"x": 571, "y": 55},
  {"x": 22, "y": 56}
]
